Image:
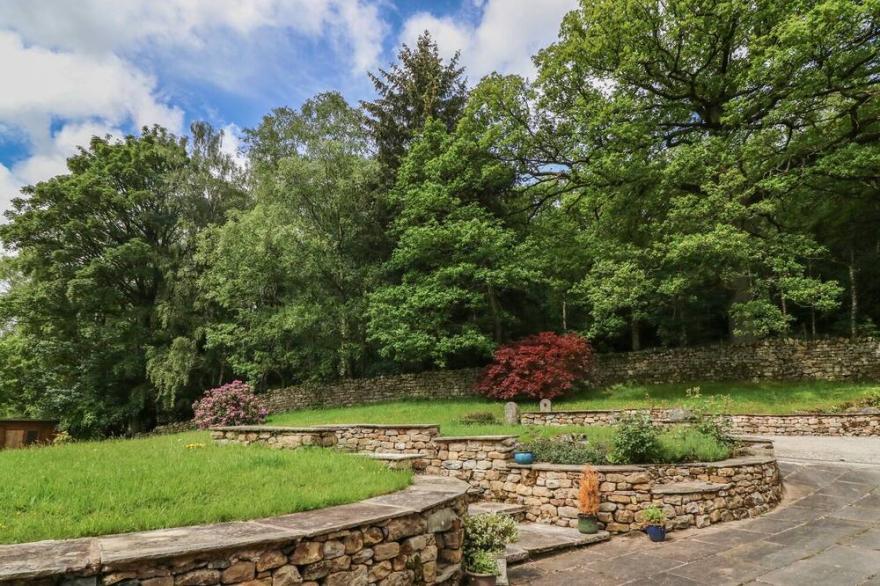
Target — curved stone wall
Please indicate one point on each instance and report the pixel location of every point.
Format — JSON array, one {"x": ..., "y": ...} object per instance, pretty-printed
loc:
[
  {"x": 836, "y": 424},
  {"x": 411, "y": 536}
]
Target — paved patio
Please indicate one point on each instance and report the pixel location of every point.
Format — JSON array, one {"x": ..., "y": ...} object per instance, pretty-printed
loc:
[{"x": 826, "y": 532}]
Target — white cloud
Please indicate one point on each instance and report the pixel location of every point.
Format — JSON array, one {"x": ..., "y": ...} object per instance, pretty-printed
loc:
[
  {"x": 101, "y": 26},
  {"x": 504, "y": 40}
]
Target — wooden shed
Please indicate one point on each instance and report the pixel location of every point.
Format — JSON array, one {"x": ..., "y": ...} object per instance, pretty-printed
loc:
[{"x": 18, "y": 433}]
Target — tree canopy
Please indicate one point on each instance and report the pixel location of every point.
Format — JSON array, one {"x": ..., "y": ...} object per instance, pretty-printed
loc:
[{"x": 679, "y": 172}]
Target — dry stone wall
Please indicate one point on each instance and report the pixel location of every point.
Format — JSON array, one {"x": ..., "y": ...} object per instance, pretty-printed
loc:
[
  {"x": 409, "y": 537},
  {"x": 832, "y": 424},
  {"x": 829, "y": 359},
  {"x": 438, "y": 384}
]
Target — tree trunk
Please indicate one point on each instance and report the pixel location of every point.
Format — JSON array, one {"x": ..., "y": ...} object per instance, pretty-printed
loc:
[
  {"x": 496, "y": 315},
  {"x": 635, "y": 334},
  {"x": 854, "y": 296},
  {"x": 564, "y": 316}
]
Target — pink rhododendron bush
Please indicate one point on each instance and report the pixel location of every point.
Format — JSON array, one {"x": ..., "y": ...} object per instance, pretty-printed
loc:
[{"x": 231, "y": 404}]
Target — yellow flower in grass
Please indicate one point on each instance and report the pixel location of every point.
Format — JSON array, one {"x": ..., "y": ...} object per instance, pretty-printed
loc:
[{"x": 194, "y": 446}]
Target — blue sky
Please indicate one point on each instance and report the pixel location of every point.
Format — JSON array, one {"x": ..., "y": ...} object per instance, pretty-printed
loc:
[{"x": 73, "y": 69}]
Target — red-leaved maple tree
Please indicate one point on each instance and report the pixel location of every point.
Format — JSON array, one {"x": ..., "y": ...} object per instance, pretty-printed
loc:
[{"x": 542, "y": 366}]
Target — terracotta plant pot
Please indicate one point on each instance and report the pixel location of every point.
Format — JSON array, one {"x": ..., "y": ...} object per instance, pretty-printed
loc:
[
  {"x": 588, "y": 524},
  {"x": 481, "y": 579}
]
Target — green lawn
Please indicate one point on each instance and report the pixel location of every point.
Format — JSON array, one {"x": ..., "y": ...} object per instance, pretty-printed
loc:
[
  {"x": 96, "y": 488},
  {"x": 768, "y": 397}
]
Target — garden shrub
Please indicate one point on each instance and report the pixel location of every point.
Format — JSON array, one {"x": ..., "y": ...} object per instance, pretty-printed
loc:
[
  {"x": 636, "y": 440},
  {"x": 710, "y": 415},
  {"x": 490, "y": 532},
  {"x": 554, "y": 451},
  {"x": 231, "y": 404},
  {"x": 479, "y": 418},
  {"x": 689, "y": 444},
  {"x": 543, "y": 366},
  {"x": 588, "y": 492}
]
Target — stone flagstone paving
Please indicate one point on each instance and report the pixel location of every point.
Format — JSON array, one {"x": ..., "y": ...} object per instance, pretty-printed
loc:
[{"x": 826, "y": 532}]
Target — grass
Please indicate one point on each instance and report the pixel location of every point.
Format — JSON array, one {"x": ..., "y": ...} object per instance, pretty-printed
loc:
[
  {"x": 97, "y": 488},
  {"x": 759, "y": 398}
]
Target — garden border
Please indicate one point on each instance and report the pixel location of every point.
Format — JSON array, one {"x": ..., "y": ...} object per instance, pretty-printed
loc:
[
  {"x": 706, "y": 492},
  {"x": 417, "y": 530},
  {"x": 819, "y": 424}
]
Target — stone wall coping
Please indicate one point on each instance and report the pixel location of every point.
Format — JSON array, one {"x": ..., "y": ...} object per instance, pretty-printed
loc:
[
  {"x": 268, "y": 428},
  {"x": 645, "y": 409},
  {"x": 689, "y": 487},
  {"x": 729, "y": 463},
  {"x": 319, "y": 428},
  {"x": 335, "y": 426},
  {"x": 45, "y": 559},
  {"x": 464, "y": 438},
  {"x": 578, "y": 467}
]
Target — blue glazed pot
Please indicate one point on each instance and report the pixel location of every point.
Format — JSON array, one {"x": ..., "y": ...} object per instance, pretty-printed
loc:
[
  {"x": 656, "y": 532},
  {"x": 524, "y": 458}
]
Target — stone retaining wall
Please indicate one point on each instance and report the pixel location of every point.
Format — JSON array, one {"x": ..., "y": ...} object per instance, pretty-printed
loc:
[
  {"x": 828, "y": 359},
  {"x": 372, "y": 438},
  {"x": 834, "y": 424},
  {"x": 437, "y": 384},
  {"x": 693, "y": 495},
  {"x": 409, "y": 537}
]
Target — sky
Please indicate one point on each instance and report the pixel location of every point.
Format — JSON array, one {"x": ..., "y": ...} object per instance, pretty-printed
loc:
[{"x": 75, "y": 69}]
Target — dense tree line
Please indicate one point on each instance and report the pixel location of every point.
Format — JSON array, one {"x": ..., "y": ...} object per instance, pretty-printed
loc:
[{"x": 679, "y": 172}]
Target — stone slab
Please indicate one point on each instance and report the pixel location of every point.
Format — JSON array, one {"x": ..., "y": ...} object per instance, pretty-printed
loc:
[
  {"x": 464, "y": 438},
  {"x": 413, "y": 499},
  {"x": 688, "y": 488},
  {"x": 538, "y": 538},
  {"x": 320, "y": 521},
  {"x": 578, "y": 467},
  {"x": 390, "y": 457},
  {"x": 42, "y": 559},
  {"x": 164, "y": 543},
  {"x": 489, "y": 508}
]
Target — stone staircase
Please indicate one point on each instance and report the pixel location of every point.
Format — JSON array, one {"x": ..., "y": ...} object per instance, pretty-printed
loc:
[{"x": 536, "y": 539}]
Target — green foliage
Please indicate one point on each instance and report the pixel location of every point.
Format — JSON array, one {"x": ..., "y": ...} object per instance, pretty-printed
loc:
[
  {"x": 458, "y": 267},
  {"x": 488, "y": 533},
  {"x": 479, "y": 418},
  {"x": 654, "y": 515},
  {"x": 636, "y": 440},
  {"x": 116, "y": 486},
  {"x": 285, "y": 281},
  {"x": 482, "y": 562},
  {"x": 556, "y": 451},
  {"x": 419, "y": 87}
]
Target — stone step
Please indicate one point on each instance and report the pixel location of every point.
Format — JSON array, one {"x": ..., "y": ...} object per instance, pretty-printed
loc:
[
  {"x": 392, "y": 460},
  {"x": 448, "y": 573},
  {"x": 537, "y": 539},
  {"x": 518, "y": 512},
  {"x": 693, "y": 487}
]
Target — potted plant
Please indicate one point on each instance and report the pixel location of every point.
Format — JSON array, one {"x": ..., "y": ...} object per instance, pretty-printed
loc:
[
  {"x": 523, "y": 454},
  {"x": 655, "y": 523},
  {"x": 485, "y": 540},
  {"x": 481, "y": 568},
  {"x": 588, "y": 501}
]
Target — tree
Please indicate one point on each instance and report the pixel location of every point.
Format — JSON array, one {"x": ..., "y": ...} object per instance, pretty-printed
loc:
[
  {"x": 418, "y": 87},
  {"x": 459, "y": 266},
  {"x": 96, "y": 297},
  {"x": 287, "y": 280},
  {"x": 686, "y": 133}
]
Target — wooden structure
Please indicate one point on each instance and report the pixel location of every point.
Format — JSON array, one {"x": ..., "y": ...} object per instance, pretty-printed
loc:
[{"x": 18, "y": 433}]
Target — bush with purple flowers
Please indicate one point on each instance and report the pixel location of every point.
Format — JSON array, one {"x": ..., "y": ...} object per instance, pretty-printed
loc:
[{"x": 232, "y": 404}]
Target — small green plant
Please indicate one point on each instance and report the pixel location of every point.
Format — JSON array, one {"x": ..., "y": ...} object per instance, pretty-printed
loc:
[
  {"x": 486, "y": 536},
  {"x": 636, "y": 440},
  {"x": 554, "y": 451},
  {"x": 482, "y": 562},
  {"x": 654, "y": 515},
  {"x": 479, "y": 418}
]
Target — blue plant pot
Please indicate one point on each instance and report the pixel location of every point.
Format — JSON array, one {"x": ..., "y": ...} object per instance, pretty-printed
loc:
[
  {"x": 656, "y": 532},
  {"x": 524, "y": 458}
]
